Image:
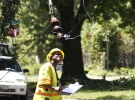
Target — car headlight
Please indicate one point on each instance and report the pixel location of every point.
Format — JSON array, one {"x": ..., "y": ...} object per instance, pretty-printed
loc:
[{"x": 21, "y": 80}]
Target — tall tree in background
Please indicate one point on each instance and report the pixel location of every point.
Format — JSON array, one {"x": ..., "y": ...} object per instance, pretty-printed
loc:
[{"x": 73, "y": 61}]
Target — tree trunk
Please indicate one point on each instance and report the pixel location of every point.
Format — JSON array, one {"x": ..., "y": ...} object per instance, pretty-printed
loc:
[{"x": 73, "y": 62}]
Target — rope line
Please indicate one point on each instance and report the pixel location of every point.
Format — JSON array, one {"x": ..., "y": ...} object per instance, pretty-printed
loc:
[{"x": 79, "y": 22}]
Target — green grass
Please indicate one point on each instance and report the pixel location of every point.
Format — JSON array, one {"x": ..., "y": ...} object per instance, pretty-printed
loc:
[
  {"x": 102, "y": 95},
  {"x": 122, "y": 89},
  {"x": 116, "y": 72}
]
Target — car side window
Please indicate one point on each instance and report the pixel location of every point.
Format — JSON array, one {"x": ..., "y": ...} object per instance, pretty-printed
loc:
[
  {"x": 17, "y": 67},
  {"x": 14, "y": 66}
]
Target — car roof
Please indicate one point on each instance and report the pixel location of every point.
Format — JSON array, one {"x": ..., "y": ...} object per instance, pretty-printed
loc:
[
  {"x": 5, "y": 57},
  {"x": 1, "y": 43}
]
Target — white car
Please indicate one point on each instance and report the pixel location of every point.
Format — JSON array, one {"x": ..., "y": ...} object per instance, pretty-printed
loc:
[{"x": 12, "y": 78}]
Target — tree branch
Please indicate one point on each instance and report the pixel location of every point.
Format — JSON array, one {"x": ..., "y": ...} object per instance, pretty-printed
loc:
[{"x": 81, "y": 12}]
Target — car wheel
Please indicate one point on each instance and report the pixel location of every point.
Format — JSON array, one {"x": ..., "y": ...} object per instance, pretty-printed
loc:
[{"x": 23, "y": 97}]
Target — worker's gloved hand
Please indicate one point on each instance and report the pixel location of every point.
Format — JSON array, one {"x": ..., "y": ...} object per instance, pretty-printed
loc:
[{"x": 58, "y": 89}]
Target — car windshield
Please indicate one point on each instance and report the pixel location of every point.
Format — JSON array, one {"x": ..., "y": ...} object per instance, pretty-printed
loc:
[{"x": 9, "y": 65}]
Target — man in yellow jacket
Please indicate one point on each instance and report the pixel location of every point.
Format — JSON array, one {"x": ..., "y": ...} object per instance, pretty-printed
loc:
[{"x": 47, "y": 86}]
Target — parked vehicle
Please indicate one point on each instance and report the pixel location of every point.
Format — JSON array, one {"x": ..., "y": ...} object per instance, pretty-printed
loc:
[{"x": 12, "y": 78}]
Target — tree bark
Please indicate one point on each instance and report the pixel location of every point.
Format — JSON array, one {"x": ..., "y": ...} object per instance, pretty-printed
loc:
[{"x": 73, "y": 62}]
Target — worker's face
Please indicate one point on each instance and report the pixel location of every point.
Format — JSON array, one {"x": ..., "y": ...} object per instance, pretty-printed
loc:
[{"x": 57, "y": 56}]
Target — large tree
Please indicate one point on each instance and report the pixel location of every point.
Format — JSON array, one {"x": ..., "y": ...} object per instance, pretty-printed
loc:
[{"x": 73, "y": 61}]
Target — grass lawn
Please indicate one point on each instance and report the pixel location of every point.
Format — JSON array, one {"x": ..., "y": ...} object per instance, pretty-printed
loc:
[
  {"x": 122, "y": 89},
  {"x": 102, "y": 95}
]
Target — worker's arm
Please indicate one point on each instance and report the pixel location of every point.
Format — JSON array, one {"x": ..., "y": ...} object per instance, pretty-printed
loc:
[{"x": 56, "y": 89}]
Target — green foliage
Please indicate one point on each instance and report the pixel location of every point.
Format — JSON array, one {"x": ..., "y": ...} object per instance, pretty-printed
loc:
[
  {"x": 26, "y": 60},
  {"x": 94, "y": 41},
  {"x": 36, "y": 39},
  {"x": 33, "y": 68},
  {"x": 102, "y": 85},
  {"x": 14, "y": 53},
  {"x": 32, "y": 85},
  {"x": 9, "y": 8},
  {"x": 98, "y": 71}
]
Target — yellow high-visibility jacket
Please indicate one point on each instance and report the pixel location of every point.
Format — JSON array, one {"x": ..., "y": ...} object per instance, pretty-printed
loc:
[{"x": 47, "y": 76}]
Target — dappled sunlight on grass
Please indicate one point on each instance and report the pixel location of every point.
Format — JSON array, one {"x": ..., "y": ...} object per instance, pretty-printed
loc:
[
  {"x": 102, "y": 95},
  {"x": 115, "y": 72}
]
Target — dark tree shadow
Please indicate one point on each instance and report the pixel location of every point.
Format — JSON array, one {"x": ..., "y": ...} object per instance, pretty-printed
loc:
[
  {"x": 103, "y": 85},
  {"x": 108, "y": 97}
]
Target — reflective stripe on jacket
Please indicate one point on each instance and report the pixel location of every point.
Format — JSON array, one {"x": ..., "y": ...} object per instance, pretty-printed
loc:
[{"x": 47, "y": 76}]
